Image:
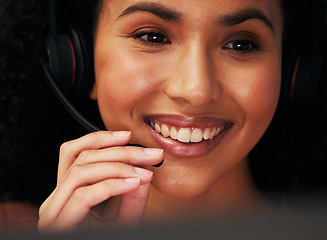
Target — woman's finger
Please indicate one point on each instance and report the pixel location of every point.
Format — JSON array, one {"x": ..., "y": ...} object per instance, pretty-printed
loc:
[
  {"x": 136, "y": 156},
  {"x": 132, "y": 206},
  {"x": 69, "y": 151},
  {"x": 132, "y": 155},
  {"x": 83, "y": 199},
  {"x": 83, "y": 175},
  {"x": 97, "y": 158}
]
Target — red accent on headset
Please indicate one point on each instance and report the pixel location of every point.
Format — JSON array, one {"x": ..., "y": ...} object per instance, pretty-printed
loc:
[
  {"x": 74, "y": 60},
  {"x": 296, "y": 67}
]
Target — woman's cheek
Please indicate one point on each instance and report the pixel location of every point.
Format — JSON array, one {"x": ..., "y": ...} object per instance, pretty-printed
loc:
[
  {"x": 266, "y": 94},
  {"x": 122, "y": 82},
  {"x": 260, "y": 102},
  {"x": 257, "y": 90},
  {"x": 254, "y": 89}
]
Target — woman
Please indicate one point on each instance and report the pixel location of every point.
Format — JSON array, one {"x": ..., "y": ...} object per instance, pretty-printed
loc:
[
  {"x": 193, "y": 83},
  {"x": 196, "y": 84}
]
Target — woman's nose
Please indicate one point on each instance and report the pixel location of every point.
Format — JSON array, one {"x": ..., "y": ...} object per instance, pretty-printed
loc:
[{"x": 194, "y": 77}]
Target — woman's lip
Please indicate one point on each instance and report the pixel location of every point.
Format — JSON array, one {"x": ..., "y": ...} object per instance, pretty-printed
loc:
[
  {"x": 187, "y": 150},
  {"x": 187, "y": 122}
]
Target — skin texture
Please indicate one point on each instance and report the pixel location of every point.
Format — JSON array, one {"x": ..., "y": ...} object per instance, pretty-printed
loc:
[{"x": 186, "y": 70}]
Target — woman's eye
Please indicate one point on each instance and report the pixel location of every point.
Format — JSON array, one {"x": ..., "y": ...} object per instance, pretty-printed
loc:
[
  {"x": 242, "y": 46},
  {"x": 152, "y": 38}
]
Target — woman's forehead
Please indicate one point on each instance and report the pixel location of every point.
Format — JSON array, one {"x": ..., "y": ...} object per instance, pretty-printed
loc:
[
  {"x": 191, "y": 9},
  {"x": 195, "y": 5}
]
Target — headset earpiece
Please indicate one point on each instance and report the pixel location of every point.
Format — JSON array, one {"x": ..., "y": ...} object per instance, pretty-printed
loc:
[
  {"x": 300, "y": 79},
  {"x": 304, "y": 85},
  {"x": 67, "y": 64},
  {"x": 302, "y": 60},
  {"x": 84, "y": 60},
  {"x": 70, "y": 61},
  {"x": 61, "y": 59}
]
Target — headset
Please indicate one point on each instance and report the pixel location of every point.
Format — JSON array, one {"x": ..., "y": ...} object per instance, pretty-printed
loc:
[
  {"x": 303, "y": 52},
  {"x": 68, "y": 66}
]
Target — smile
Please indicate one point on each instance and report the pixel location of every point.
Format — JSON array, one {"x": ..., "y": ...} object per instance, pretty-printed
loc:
[{"x": 187, "y": 136}]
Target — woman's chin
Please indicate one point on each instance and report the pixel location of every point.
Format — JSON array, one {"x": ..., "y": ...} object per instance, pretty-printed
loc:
[{"x": 179, "y": 186}]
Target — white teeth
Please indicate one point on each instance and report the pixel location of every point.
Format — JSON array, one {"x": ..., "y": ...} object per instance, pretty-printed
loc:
[
  {"x": 212, "y": 133},
  {"x": 196, "y": 135},
  {"x": 186, "y": 135},
  {"x": 157, "y": 128},
  {"x": 165, "y": 130},
  {"x": 173, "y": 133},
  {"x": 206, "y": 134}
]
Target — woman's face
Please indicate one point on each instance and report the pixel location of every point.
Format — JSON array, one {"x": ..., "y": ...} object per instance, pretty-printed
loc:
[{"x": 206, "y": 73}]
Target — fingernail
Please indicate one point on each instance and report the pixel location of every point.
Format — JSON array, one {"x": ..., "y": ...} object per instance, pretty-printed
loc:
[
  {"x": 143, "y": 172},
  {"x": 121, "y": 134},
  {"x": 152, "y": 151},
  {"x": 159, "y": 164},
  {"x": 132, "y": 180}
]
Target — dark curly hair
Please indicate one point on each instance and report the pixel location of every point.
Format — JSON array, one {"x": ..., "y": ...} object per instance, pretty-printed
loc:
[
  {"x": 291, "y": 157},
  {"x": 32, "y": 123},
  {"x": 20, "y": 36}
]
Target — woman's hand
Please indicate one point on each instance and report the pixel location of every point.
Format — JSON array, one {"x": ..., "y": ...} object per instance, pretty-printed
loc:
[{"x": 91, "y": 170}]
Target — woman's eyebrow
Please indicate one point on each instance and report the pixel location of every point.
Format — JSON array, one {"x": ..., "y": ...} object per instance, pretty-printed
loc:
[
  {"x": 154, "y": 8},
  {"x": 173, "y": 16},
  {"x": 244, "y": 15}
]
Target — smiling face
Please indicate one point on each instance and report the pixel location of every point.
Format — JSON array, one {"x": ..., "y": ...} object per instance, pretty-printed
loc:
[{"x": 200, "y": 79}]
